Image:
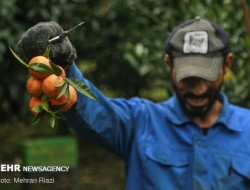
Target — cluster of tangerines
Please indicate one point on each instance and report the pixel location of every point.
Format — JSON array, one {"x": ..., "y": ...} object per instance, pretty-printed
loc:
[
  {"x": 48, "y": 85},
  {"x": 50, "y": 90}
]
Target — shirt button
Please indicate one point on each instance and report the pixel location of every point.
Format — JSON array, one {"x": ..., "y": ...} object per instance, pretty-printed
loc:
[{"x": 198, "y": 142}]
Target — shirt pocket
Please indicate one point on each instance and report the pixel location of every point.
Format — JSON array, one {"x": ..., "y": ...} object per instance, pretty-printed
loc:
[
  {"x": 241, "y": 167},
  {"x": 238, "y": 174},
  {"x": 166, "y": 167},
  {"x": 167, "y": 156}
]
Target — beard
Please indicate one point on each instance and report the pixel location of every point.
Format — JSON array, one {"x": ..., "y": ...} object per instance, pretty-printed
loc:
[{"x": 212, "y": 95}]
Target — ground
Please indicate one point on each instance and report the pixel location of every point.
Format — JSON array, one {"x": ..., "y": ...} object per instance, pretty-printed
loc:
[{"x": 98, "y": 169}]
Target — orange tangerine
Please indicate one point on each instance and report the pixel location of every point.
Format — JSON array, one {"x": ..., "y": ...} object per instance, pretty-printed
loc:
[
  {"x": 63, "y": 100},
  {"x": 42, "y": 60},
  {"x": 33, "y": 103},
  {"x": 50, "y": 85},
  {"x": 34, "y": 87},
  {"x": 63, "y": 75}
]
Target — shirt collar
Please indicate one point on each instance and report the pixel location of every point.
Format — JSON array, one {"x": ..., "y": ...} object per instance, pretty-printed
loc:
[
  {"x": 226, "y": 117},
  {"x": 175, "y": 113},
  {"x": 177, "y": 116}
]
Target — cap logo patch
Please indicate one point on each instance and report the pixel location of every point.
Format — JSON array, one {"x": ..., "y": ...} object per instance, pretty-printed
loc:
[{"x": 196, "y": 42}]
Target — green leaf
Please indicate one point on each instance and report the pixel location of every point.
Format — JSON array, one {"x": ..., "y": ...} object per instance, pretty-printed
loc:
[
  {"x": 38, "y": 109},
  {"x": 53, "y": 121},
  {"x": 64, "y": 88},
  {"x": 47, "y": 51},
  {"x": 57, "y": 108},
  {"x": 61, "y": 84},
  {"x": 81, "y": 87},
  {"x": 55, "y": 69},
  {"x": 40, "y": 67},
  {"x": 45, "y": 103},
  {"x": 18, "y": 58},
  {"x": 38, "y": 118},
  {"x": 67, "y": 95},
  {"x": 48, "y": 108}
]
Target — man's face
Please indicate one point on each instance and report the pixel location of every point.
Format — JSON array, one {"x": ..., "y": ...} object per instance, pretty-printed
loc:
[{"x": 196, "y": 95}]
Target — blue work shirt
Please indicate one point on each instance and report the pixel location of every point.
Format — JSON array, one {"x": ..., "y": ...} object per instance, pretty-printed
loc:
[{"x": 161, "y": 147}]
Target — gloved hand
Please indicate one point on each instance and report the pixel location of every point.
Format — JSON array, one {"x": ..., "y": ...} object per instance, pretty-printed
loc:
[{"x": 35, "y": 40}]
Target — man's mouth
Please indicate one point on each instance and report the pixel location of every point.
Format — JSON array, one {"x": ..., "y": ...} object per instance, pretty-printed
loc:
[{"x": 197, "y": 102}]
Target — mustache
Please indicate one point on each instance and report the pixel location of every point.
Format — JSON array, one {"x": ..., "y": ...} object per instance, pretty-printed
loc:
[{"x": 193, "y": 96}]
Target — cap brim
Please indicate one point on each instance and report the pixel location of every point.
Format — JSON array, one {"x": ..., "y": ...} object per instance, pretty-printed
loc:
[{"x": 207, "y": 68}]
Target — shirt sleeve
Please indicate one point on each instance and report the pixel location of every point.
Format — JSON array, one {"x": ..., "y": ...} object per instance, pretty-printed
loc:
[{"x": 107, "y": 121}]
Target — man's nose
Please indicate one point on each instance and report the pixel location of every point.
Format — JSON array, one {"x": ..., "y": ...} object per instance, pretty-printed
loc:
[
  {"x": 192, "y": 81},
  {"x": 196, "y": 83}
]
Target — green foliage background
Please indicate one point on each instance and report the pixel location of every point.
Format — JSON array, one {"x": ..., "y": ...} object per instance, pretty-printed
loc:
[{"x": 121, "y": 46}]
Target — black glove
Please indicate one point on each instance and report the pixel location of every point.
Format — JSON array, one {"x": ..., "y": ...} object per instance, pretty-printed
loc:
[{"x": 35, "y": 40}]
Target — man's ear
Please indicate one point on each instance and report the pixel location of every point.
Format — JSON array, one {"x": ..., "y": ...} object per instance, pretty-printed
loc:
[
  {"x": 168, "y": 61},
  {"x": 228, "y": 62}
]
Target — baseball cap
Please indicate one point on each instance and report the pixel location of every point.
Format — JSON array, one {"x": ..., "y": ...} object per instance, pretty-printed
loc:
[{"x": 197, "y": 48}]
